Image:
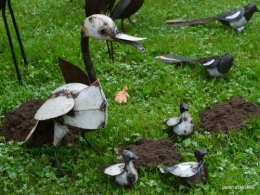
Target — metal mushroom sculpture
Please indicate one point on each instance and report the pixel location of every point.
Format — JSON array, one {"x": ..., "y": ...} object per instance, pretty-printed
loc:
[
  {"x": 76, "y": 105},
  {"x": 191, "y": 172},
  {"x": 125, "y": 173}
]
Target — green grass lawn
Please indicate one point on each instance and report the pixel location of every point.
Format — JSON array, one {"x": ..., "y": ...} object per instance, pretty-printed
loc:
[{"x": 52, "y": 28}]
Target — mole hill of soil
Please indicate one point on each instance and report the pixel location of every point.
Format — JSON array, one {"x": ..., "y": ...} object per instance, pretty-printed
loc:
[
  {"x": 226, "y": 115},
  {"x": 18, "y": 123}
]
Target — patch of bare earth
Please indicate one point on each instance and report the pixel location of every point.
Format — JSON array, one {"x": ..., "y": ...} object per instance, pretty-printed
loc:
[{"x": 226, "y": 115}]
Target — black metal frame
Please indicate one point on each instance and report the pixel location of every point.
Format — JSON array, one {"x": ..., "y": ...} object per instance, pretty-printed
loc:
[{"x": 3, "y": 7}]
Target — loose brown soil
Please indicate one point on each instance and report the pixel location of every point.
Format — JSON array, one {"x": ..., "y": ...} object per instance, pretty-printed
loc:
[
  {"x": 18, "y": 123},
  {"x": 152, "y": 153},
  {"x": 230, "y": 114}
]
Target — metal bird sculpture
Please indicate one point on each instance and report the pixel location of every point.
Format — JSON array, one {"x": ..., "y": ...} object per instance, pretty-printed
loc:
[
  {"x": 82, "y": 106},
  {"x": 125, "y": 9},
  {"x": 216, "y": 66},
  {"x": 236, "y": 19},
  {"x": 191, "y": 172},
  {"x": 101, "y": 7},
  {"x": 183, "y": 125},
  {"x": 125, "y": 173}
]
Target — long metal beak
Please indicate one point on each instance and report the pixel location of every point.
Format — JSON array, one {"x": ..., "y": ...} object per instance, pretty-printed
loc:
[{"x": 129, "y": 40}]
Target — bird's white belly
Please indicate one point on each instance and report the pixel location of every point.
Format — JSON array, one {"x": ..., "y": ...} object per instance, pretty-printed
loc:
[
  {"x": 122, "y": 179},
  {"x": 239, "y": 23},
  {"x": 183, "y": 129},
  {"x": 214, "y": 72}
]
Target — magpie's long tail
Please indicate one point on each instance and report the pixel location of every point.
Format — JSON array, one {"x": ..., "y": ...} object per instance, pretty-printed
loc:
[
  {"x": 177, "y": 23},
  {"x": 168, "y": 58}
]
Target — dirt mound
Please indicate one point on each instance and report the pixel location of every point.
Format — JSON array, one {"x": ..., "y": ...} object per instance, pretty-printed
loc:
[
  {"x": 230, "y": 114},
  {"x": 18, "y": 123},
  {"x": 152, "y": 153}
]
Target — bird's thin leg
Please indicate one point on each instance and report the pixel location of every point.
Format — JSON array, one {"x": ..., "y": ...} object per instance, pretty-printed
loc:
[
  {"x": 110, "y": 50},
  {"x": 17, "y": 33},
  {"x": 59, "y": 173},
  {"x": 84, "y": 137},
  {"x": 122, "y": 25},
  {"x": 11, "y": 46},
  {"x": 130, "y": 21}
]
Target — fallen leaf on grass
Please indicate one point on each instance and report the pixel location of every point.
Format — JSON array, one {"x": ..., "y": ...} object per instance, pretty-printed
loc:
[{"x": 122, "y": 96}]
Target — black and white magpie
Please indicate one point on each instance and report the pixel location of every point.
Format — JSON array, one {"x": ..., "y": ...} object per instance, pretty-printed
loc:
[
  {"x": 216, "y": 66},
  {"x": 236, "y": 19}
]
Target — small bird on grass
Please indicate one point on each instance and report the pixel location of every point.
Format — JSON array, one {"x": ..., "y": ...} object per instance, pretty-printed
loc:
[
  {"x": 125, "y": 173},
  {"x": 236, "y": 19},
  {"x": 216, "y": 66},
  {"x": 191, "y": 172},
  {"x": 183, "y": 125}
]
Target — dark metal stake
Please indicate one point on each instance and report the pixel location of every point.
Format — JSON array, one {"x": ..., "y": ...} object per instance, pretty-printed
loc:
[
  {"x": 17, "y": 33},
  {"x": 11, "y": 45},
  {"x": 84, "y": 137}
]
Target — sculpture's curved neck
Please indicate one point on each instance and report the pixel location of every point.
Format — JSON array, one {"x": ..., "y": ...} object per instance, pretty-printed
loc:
[{"x": 87, "y": 59}]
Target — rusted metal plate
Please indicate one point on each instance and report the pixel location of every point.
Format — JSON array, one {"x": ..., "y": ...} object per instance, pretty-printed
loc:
[
  {"x": 87, "y": 119},
  {"x": 90, "y": 98}
]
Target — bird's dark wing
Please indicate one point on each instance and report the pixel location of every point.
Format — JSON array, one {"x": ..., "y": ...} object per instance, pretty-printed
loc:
[
  {"x": 168, "y": 58},
  {"x": 105, "y": 6},
  {"x": 72, "y": 73},
  {"x": 110, "y": 6},
  {"x": 119, "y": 8},
  {"x": 233, "y": 15},
  {"x": 210, "y": 62}
]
